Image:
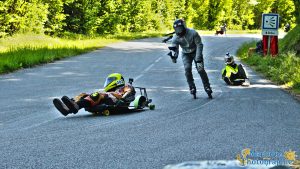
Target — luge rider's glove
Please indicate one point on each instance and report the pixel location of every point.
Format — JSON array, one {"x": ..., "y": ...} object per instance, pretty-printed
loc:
[{"x": 120, "y": 102}]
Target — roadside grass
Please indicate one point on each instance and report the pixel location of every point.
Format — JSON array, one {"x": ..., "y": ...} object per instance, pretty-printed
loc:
[
  {"x": 27, "y": 50},
  {"x": 291, "y": 41},
  {"x": 283, "y": 69}
]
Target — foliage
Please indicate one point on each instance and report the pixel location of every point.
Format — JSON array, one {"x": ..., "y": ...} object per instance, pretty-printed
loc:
[
  {"x": 291, "y": 42},
  {"x": 297, "y": 10},
  {"x": 94, "y": 17},
  {"x": 22, "y": 16}
]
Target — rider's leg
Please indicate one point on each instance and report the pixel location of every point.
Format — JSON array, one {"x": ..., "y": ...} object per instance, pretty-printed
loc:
[
  {"x": 242, "y": 72},
  {"x": 204, "y": 77},
  {"x": 227, "y": 80},
  {"x": 91, "y": 100},
  {"x": 84, "y": 102},
  {"x": 187, "y": 63}
]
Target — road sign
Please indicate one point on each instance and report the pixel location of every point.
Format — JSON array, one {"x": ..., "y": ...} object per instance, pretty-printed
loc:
[
  {"x": 270, "y": 21},
  {"x": 270, "y": 32},
  {"x": 270, "y": 25}
]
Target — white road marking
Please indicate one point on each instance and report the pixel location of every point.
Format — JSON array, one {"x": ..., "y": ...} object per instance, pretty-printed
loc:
[
  {"x": 148, "y": 68},
  {"x": 157, "y": 60},
  {"x": 139, "y": 76}
]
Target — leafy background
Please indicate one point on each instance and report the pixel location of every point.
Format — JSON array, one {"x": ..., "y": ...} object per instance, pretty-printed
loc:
[{"x": 97, "y": 17}]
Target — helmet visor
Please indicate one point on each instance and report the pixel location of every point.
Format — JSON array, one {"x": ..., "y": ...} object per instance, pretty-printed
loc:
[
  {"x": 179, "y": 29},
  {"x": 109, "y": 80},
  {"x": 228, "y": 60}
]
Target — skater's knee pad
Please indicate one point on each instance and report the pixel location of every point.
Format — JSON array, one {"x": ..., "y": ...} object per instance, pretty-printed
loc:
[
  {"x": 200, "y": 66},
  {"x": 200, "y": 70}
]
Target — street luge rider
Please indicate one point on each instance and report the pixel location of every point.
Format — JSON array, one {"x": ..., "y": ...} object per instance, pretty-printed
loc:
[
  {"x": 116, "y": 92},
  {"x": 234, "y": 74}
]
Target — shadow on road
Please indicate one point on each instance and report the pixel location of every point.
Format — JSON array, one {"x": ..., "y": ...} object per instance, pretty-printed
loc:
[{"x": 114, "y": 113}]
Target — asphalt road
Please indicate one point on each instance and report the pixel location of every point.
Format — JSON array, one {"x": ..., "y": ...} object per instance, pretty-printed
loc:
[{"x": 34, "y": 135}]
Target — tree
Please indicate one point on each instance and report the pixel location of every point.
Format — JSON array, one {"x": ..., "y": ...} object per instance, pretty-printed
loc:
[
  {"x": 214, "y": 11},
  {"x": 243, "y": 14},
  {"x": 262, "y": 6},
  {"x": 22, "y": 16},
  {"x": 297, "y": 10},
  {"x": 55, "y": 17},
  {"x": 199, "y": 14},
  {"x": 285, "y": 9}
]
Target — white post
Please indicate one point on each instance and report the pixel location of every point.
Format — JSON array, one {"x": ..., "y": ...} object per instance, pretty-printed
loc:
[{"x": 269, "y": 44}]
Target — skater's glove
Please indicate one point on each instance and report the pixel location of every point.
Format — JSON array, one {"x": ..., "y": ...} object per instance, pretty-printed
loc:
[{"x": 173, "y": 55}]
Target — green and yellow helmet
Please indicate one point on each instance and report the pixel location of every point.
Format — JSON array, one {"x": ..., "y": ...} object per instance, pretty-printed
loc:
[{"x": 113, "y": 81}]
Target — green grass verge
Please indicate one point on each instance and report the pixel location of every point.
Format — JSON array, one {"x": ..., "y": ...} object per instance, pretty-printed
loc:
[
  {"x": 291, "y": 41},
  {"x": 27, "y": 50},
  {"x": 283, "y": 69}
]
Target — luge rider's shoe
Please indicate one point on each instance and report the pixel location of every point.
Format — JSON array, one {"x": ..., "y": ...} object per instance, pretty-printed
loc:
[
  {"x": 61, "y": 107},
  {"x": 246, "y": 83},
  {"x": 71, "y": 104},
  {"x": 208, "y": 91}
]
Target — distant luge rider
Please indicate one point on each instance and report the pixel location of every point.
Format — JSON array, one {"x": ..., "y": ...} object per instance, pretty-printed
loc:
[
  {"x": 192, "y": 50},
  {"x": 234, "y": 74},
  {"x": 116, "y": 92}
]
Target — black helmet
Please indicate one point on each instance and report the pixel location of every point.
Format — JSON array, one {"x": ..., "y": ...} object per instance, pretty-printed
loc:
[{"x": 179, "y": 27}]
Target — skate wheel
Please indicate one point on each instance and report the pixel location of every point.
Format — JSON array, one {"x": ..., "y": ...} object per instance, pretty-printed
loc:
[
  {"x": 140, "y": 102},
  {"x": 106, "y": 113},
  {"x": 151, "y": 106}
]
